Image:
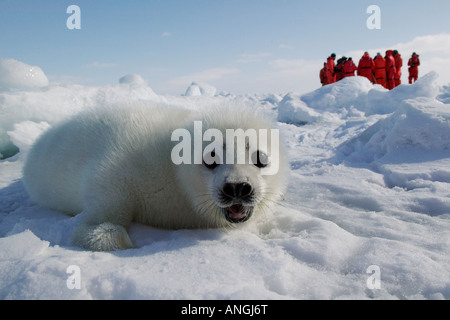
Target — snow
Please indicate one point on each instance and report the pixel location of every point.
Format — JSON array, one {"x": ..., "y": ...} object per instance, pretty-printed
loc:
[
  {"x": 133, "y": 79},
  {"x": 369, "y": 186},
  {"x": 16, "y": 74},
  {"x": 200, "y": 89}
]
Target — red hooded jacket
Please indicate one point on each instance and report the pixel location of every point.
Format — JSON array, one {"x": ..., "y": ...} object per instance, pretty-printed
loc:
[
  {"x": 366, "y": 67},
  {"x": 349, "y": 69},
  {"x": 398, "y": 67},
  {"x": 330, "y": 70},
  {"x": 414, "y": 63},
  {"x": 390, "y": 70},
  {"x": 380, "y": 70},
  {"x": 323, "y": 76}
]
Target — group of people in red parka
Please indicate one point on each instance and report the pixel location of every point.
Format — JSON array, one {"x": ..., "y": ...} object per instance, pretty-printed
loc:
[{"x": 385, "y": 71}]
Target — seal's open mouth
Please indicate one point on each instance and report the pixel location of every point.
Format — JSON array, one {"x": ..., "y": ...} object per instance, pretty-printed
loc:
[{"x": 237, "y": 213}]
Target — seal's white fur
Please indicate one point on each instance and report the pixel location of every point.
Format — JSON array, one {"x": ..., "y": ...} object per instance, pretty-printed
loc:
[{"x": 114, "y": 165}]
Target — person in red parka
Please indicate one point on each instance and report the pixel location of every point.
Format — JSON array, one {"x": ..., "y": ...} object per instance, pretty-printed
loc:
[
  {"x": 349, "y": 68},
  {"x": 339, "y": 68},
  {"x": 380, "y": 70},
  {"x": 323, "y": 75},
  {"x": 413, "y": 63},
  {"x": 330, "y": 68},
  {"x": 366, "y": 67},
  {"x": 390, "y": 69},
  {"x": 398, "y": 66}
]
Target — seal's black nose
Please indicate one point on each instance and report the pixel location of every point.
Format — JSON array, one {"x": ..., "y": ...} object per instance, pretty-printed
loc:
[{"x": 237, "y": 190}]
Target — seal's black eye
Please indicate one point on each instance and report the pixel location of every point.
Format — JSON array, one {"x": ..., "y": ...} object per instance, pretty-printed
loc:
[
  {"x": 211, "y": 160},
  {"x": 260, "y": 159}
]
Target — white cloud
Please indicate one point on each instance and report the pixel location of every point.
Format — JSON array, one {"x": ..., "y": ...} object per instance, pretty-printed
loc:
[
  {"x": 97, "y": 64},
  {"x": 436, "y": 44},
  {"x": 439, "y": 43},
  {"x": 439, "y": 64},
  {"x": 289, "y": 65},
  {"x": 284, "y": 46},
  {"x": 250, "y": 58},
  {"x": 286, "y": 75},
  {"x": 277, "y": 76},
  {"x": 166, "y": 34}
]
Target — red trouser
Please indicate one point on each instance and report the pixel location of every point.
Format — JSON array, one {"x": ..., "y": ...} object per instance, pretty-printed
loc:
[
  {"x": 398, "y": 78},
  {"x": 391, "y": 78},
  {"x": 380, "y": 76},
  {"x": 413, "y": 74}
]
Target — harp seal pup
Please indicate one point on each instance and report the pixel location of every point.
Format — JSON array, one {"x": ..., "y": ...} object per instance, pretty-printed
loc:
[{"x": 115, "y": 166}]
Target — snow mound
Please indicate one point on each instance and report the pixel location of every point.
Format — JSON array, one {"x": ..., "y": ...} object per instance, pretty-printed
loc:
[
  {"x": 385, "y": 102},
  {"x": 411, "y": 148},
  {"x": 200, "y": 89},
  {"x": 7, "y": 148},
  {"x": 57, "y": 102},
  {"x": 350, "y": 91},
  {"x": 444, "y": 95},
  {"x": 419, "y": 125},
  {"x": 293, "y": 110},
  {"x": 16, "y": 74},
  {"x": 133, "y": 79},
  {"x": 353, "y": 97},
  {"x": 26, "y": 132},
  {"x": 341, "y": 100}
]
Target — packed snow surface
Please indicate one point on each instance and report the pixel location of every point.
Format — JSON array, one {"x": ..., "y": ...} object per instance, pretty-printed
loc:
[
  {"x": 366, "y": 215},
  {"x": 16, "y": 74}
]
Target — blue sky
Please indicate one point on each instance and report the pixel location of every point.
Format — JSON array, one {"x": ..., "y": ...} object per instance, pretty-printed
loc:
[{"x": 243, "y": 46}]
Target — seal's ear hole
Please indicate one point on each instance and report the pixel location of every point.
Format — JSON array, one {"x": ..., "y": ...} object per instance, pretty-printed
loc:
[
  {"x": 260, "y": 159},
  {"x": 211, "y": 160}
]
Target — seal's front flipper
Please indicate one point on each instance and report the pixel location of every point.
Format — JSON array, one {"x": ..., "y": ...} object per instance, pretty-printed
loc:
[{"x": 103, "y": 237}]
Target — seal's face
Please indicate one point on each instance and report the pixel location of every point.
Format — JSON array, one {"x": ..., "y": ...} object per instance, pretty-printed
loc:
[
  {"x": 227, "y": 194},
  {"x": 237, "y": 170},
  {"x": 237, "y": 189}
]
